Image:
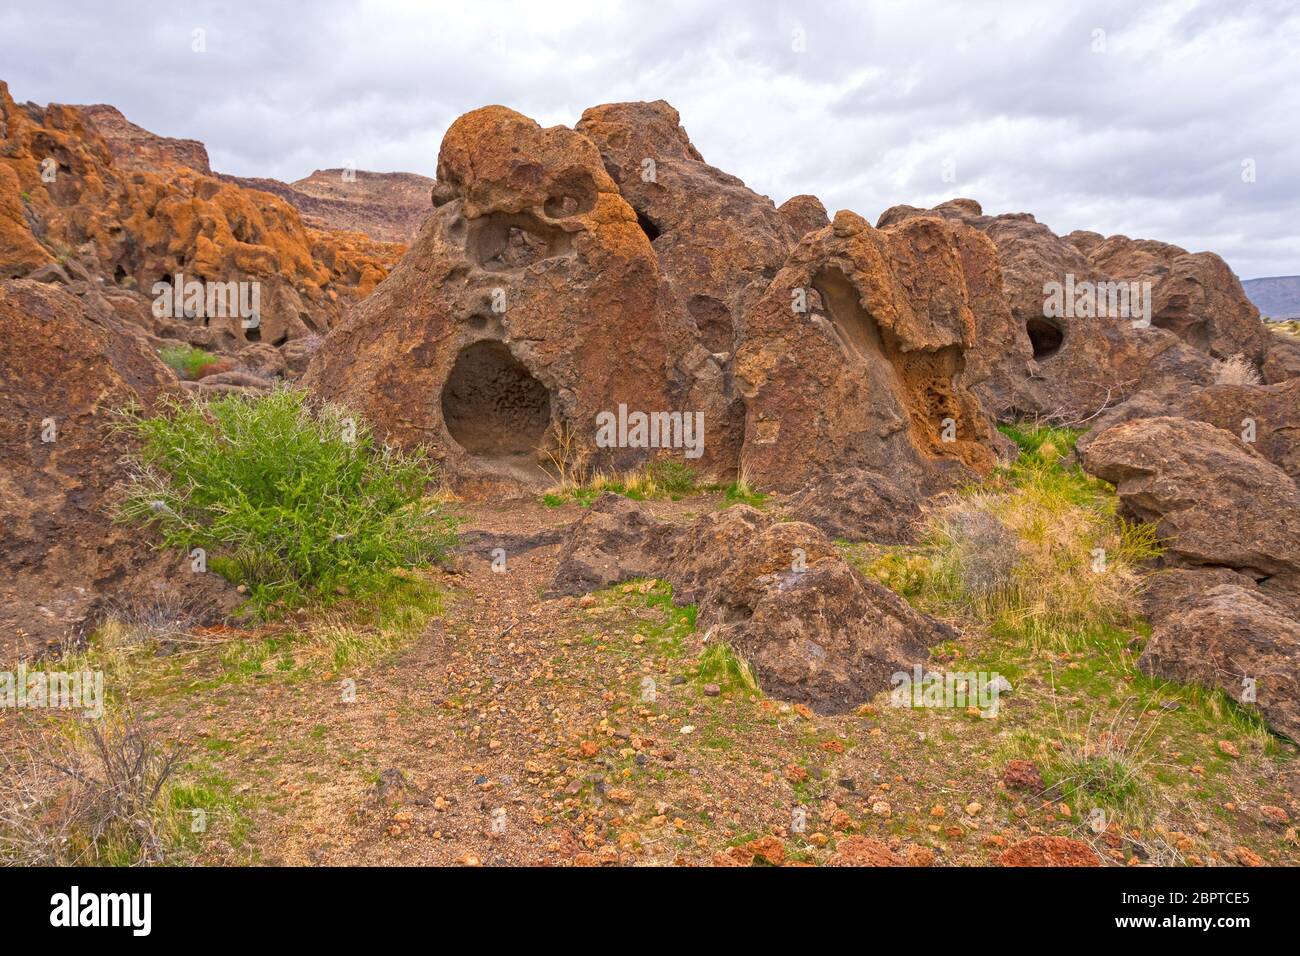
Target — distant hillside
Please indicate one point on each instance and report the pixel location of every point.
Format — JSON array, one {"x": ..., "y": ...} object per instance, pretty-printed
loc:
[
  {"x": 388, "y": 207},
  {"x": 1277, "y": 297}
]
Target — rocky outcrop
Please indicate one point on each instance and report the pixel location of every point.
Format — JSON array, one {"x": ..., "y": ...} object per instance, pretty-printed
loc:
[
  {"x": 115, "y": 207},
  {"x": 1213, "y": 499},
  {"x": 1226, "y": 611},
  {"x": 812, "y": 627},
  {"x": 716, "y": 242},
  {"x": 64, "y": 372},
  {"x": 527, "y": 307},
  {"x": 1067, "y": 363},
  {"x": 854, "y": 358},
  {"x": 1265, "y": 417}
]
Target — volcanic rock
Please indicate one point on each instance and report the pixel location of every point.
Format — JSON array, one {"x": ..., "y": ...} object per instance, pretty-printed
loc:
[
  {"x": 1239, "y": 639},
  {"x": 64, "y": 371},
  {"x": 84, "y": 188},
  {"x": 854, "y": 358},
  {"x": 1213, "y": 499},
  {"x": 814, "y": 629},
  {"x": 527, "y": 307},
  {"x": 1268, "y": 415},
  {"x": 1067, "y": 367}
]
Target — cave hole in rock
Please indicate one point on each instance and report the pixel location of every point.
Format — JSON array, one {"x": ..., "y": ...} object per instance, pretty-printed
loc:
[
  {"x": 505, "y": 242},
  {"x": 1045, "y": 336},
  {"x": 647, "y": 225},
  {"x": 492, "y": 405},
  {"x": 856, "y": 329}
]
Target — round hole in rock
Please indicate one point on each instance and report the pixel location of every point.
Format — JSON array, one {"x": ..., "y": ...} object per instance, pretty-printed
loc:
[
  {"x": 1045, "y": 336},
  {"x": 492, "y": 405}
]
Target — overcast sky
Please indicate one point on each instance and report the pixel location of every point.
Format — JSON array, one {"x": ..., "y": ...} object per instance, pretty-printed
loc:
[{"x": 1116, "y": 116}]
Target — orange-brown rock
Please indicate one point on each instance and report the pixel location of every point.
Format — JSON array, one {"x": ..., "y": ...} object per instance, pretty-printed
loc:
[
  {"x": 855, "y": 357},
  {"x": 1066, "y": 367},
  {"x": 64, "y": 371},
  {"x": 128, "y": 224},
  {"x": 1049, "y": 851},
  {"x": 717, "y": 242},
  {"x": 528, "y": 306}
]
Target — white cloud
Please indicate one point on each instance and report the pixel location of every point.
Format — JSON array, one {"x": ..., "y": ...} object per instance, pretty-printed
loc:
[{"x": 1144, "y": 138}]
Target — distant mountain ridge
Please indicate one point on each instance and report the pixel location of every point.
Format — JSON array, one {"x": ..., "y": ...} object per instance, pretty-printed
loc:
[
  {"x": 1277, "y": 297},
  {"x": 387, "y": 207}
]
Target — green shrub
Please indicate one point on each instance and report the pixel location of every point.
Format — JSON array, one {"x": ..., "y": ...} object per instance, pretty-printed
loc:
[
  {"x": 298, "y": 503},
  {"x": 187, "y": 361}
]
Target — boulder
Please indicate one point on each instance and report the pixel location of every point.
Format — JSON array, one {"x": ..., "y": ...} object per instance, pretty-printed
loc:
[
  {"x": 1213, "y": 498},
  {"x": 615, "y": 540},
  {"x": 1268, "y": 415},
  {"x": 64, "y": 371},
  {"x": 814, "y": 629},
  {"x": 1281, "y": 361},
  {"x": 859, "y": 505},
  {"x": 1239, "y": 639},
  {"x": 803, "y": 214}
]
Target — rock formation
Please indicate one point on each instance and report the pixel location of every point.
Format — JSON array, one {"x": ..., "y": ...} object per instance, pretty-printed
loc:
[
  {"x": 569, "y": 274},
  {"x": 1068, "y": 366},
  {"x": 92, "y": 200},
  {"x": 1227, "y": 608},
  {"x": 64, "y": 372},
  {"x": 854, "y": 357},
  {"x": 814, "y": 629}
]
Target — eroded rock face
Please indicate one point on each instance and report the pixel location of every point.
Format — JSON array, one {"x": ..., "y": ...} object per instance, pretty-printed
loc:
[
  {"x": 717, "y": 243},
  {"x": 1067, "y": 366},
  {"x": 855, "y": 355},
  {"x": 1226, "y": 610},
  {"x": 64, "y": 371},
  {"x": 1194, "y": 294},
  {"x": 814, "y": 629},
  {"x": 526, "y": 308}
]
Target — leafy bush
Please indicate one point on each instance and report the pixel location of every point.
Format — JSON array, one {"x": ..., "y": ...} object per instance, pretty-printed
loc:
[
  {"x": 296, "y": 502},
  {"x": 187, "y": 361}
]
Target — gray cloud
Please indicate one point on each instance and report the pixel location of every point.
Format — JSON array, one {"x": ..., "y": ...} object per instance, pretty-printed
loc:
[{"x": 1145, "y": 136}]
